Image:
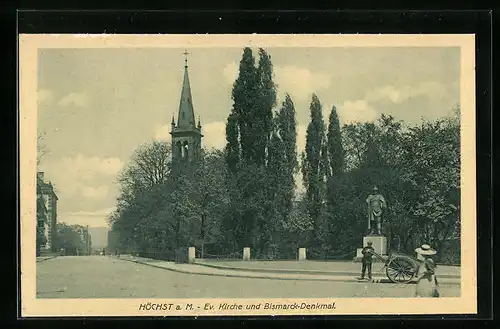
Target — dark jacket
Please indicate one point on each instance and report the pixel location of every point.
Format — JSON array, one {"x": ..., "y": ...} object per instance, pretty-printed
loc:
[{"x": 367, "y": 254}]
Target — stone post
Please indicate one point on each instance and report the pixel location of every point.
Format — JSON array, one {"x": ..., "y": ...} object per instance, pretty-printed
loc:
[
  {"x": 191, "y": 255},
  {"x": 302, "y": 254},
  {"x": 246, "y": 253}
]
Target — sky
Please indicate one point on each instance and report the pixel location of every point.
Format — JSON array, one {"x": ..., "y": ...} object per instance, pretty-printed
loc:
[{"x": 95, "y": 106}]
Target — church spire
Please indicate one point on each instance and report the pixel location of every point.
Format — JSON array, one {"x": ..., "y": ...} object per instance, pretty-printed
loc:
[{"x": 186, "y": 118}]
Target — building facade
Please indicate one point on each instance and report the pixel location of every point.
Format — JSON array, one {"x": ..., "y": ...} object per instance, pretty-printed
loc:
[
  {"x": 186, "y": 135},
  {"x": 47, "y": 213}
]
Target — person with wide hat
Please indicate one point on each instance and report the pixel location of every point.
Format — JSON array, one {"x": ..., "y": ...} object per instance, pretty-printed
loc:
[
  {"x": 427, "y": 284},
  {"x": 424, "y": 252}
]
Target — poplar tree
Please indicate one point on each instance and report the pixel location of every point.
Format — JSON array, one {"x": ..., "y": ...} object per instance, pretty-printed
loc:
[
  {"x": 263, "y": 116},
  {"x": 248, "y": 132},
  {"x": 335, "y": 149},
  {"x": 277, "y": 196},
  {"x": 334, "y": 171},
  {"x": 312, "y": 167},
  {"x": 286, "y": 126},
  {"x": 245, "y": 99},
  {"x": 232, "y": 150}
]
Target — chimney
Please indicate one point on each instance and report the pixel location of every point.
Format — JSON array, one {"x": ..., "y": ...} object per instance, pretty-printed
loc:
[{"x": 39, "y": 175}]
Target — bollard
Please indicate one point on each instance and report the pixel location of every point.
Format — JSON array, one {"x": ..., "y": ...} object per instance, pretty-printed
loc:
[
  {"x": 302, "y": 254},
  {"x": 246, "y": 253},
  {"x": 191, "y": 255}
]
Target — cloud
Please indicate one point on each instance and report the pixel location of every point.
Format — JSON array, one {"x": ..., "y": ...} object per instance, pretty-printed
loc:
[
  {"x": 74, "y": 99},
  {"x": 98, "y": 213},
  {"x": 96, "y": 218},
  {"x": 77, "y": 176},
  {"x": 162, "y": 133},
  {"x": 431, "y": 89},
  {"x": 300, "y": 82},
  {"x": 356, "y": 111},
  {"x": 90, "y": 192},
  {"x": 214, "y": 135},
  {"x": 93, "y": 165},
  {"x": 45, "y": 96},
  {"x": 230, "y": 72}
]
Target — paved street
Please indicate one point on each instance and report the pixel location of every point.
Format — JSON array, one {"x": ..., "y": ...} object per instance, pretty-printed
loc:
[{"x": 105, "y": 277}]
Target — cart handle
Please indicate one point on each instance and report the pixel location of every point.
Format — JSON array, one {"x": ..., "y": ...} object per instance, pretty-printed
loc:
[{"x": 386, "y": 261}]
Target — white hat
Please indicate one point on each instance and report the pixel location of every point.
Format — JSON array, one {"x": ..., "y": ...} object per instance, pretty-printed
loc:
[{"x": 425, "y": 249}]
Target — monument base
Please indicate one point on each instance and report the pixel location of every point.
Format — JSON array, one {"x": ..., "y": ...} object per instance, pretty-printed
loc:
[{"x": 379, "y": 244}]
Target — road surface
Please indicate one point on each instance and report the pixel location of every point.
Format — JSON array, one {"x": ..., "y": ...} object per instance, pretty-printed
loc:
[{"x": 106, "y": 277}]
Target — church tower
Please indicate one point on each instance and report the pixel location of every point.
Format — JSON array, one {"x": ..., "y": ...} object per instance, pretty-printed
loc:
[{"x": 186, "y": 135}]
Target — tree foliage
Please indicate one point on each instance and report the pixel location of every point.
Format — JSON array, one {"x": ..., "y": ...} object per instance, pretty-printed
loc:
[
  {"x": 71, "y": 239},
  {"x": 314, "y": 169},
  {"x": 161, "y": 210}
]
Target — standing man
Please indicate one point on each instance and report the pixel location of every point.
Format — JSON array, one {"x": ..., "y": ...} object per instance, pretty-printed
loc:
[
  {"x": 376, "y": 202},
  {"x": 367, "y": 260}
]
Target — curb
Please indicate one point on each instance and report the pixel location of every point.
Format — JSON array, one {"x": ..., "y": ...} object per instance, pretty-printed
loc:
[
  {"x": 332, "y": 279},
  {"x": 45, "y": 259},
  {"x": 297, "y": 271}
]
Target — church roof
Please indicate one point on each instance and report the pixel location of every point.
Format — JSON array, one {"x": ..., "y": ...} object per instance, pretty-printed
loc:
[{"x": 185, "y": 118}]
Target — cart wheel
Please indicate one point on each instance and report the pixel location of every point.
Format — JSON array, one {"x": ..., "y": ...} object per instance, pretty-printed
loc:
[{"x": 401, "y": 269}]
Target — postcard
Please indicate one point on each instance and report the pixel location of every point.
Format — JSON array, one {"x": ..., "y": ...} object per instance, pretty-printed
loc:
[{"x": 238, "y": 175}]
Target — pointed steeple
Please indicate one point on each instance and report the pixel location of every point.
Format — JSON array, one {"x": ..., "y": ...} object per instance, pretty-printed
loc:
[
  {"x": 186, "y": 117},
  {"x": 186, "y": 136}
]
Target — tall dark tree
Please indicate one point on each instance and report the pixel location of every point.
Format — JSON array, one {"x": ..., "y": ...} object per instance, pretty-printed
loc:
[
  {"x": 335, "y": 148},
  {"x": 278, "y": 190},
  {"x": 248, "y": 133},
  {"x": 313, "y": 168},
  {"x": 232, "y": 149},
  {"x": 263, "y": 118},
  {"x": 335, "y": 167},
  {"x": 287, "y": 128},
  {"x": 240, "y": 152},
  {"x": 245, "y": 97}
]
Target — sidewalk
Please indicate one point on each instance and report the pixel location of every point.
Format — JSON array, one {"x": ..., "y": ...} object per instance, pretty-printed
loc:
[
  {"x": 344, "y": 268},
  {"x": 199, "y": 269}
]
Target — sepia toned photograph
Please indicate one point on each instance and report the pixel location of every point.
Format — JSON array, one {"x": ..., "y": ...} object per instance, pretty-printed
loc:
[{"x": 175, "y": 175}]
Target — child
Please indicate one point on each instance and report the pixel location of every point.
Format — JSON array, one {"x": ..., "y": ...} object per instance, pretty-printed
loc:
[
  {"x": 427, "y": 284},
  {"x": 367, "y": 260}
]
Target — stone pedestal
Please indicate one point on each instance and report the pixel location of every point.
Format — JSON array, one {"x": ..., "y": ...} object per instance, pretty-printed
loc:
[
  {"x": 191, "y": 255},
  {"x": 379, "y": 243},
  {"x": 246, "y": 253},
  {"x": 302, "y": 254}
]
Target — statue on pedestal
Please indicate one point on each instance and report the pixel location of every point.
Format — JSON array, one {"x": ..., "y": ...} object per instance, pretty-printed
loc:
[{"x": 376, "y": 204}]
